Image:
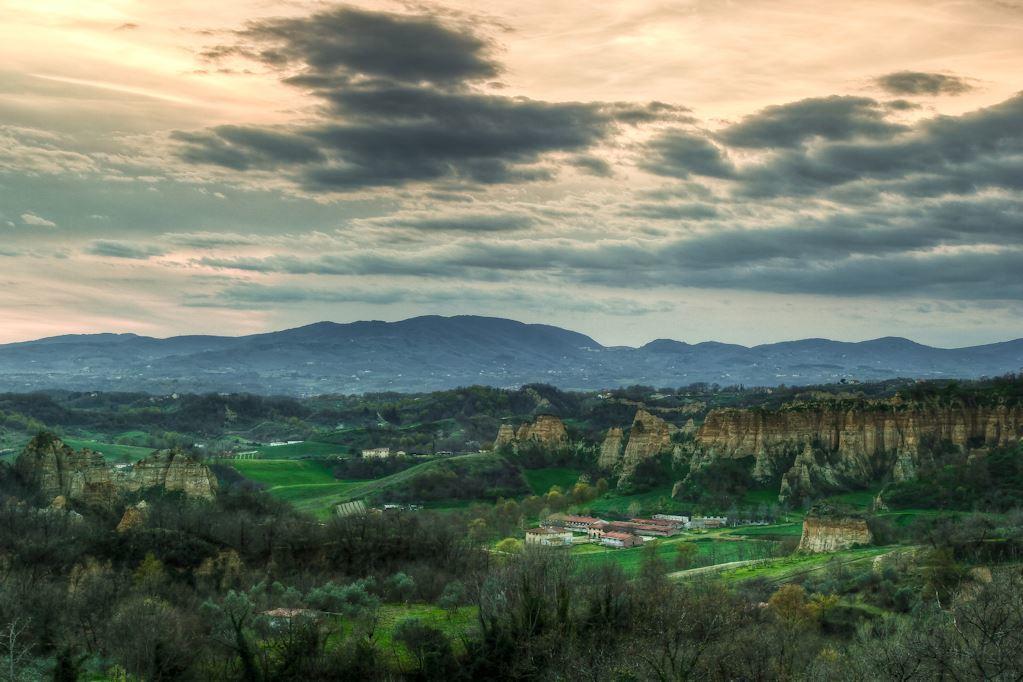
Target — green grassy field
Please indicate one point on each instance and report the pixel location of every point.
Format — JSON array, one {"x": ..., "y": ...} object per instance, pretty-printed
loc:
[
  {"x": 709, "y": 551},
  {"x": 309, "y": 448},
  {"x": 307, "y": 484},
  {"x": 110, "y": 451},
  {"x": 778, "y": 530},
  {"x": 797, "y": 564},
  {"x": 455, "y": 624},
  {"x": 653, "y": 501},
  {"x": 541, "y": 480}
]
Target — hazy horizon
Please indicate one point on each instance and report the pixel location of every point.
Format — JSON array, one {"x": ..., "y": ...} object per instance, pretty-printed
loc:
[{"x": 595, "y": 337}]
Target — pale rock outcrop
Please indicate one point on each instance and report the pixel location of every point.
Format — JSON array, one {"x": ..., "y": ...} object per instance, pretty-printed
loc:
[
  {"x": 611, "y": 449},
  {"x": 134, "y": 517},
  {"x": 649, "y": 436},
  {"x": 58, "y": 471},
  {"x": 546, "y": 430},
  {"x": 823, "y": 446},
  {"x": 827, "y": 532},
  {"x": 505, "y": 435},
  {"x": 174, "y": 471}
]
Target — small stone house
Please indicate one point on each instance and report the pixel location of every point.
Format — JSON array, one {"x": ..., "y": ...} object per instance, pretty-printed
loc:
[{"x": 548, "y": 537}]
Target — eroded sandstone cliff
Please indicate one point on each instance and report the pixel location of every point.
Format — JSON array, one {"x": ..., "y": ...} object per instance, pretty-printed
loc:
[
  {"x": 649, "y": 436},
  {"x": 57, "y": 470},
  {"x": 828, "y": 446},
  {"x": 546, "y": 430},
  {"x": 829, "y": 532}
]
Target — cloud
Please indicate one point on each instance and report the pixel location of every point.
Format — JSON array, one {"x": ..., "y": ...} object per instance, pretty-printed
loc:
[
  {"x": 682, "y": 153},
  {"x": 34, "y": 220},
  {"x": 983, "y": 147},
  {"x": 250, "y": 296},
  {"x": 404, "y": 102},
  {"x": 829, "y": 118},
  {"x": 206, "y": 240},
  {"x": 921, "y": 83},
  {"x": 346, "y": 42},
  {"x": 456, "y": 222},
  {"x": 122, "y": 249}
]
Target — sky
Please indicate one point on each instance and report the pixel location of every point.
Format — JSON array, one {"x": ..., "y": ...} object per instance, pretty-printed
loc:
[{"x": 749, "y": 171}]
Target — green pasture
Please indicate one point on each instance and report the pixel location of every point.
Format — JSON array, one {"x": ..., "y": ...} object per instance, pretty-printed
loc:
[
  {"x": 776, "y": 530},
  {"x": 794, "y": 565},
  {"x": 541, "y": 480},
  {"x": 658, "y": 500},
  {"x": 305, "y": 449},
  {"x": 110, "y": 451},
  {"x": 308, "y": 484},
  {"x": 708, "y": 551}
]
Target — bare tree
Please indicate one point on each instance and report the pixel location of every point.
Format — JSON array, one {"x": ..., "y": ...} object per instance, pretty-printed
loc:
[{"x": 16, "y": 653}]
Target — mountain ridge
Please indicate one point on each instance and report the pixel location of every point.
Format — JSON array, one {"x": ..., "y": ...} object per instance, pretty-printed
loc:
[{"x": 433, "y": 352}]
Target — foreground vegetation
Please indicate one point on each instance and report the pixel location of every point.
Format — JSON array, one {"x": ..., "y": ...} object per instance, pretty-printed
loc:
[{"x": 265, "y": 582}]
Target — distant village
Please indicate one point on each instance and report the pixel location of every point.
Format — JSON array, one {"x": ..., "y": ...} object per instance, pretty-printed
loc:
[{"x": 559, "y": 530}]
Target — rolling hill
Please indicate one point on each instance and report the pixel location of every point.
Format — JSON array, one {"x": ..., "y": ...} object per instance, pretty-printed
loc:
[{"x": 433, "y": 353}]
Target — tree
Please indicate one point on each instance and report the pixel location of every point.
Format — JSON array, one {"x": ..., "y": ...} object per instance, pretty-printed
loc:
[
  {"x": 685, "y": 555},
  {"x": 15, "y": 650},
  {"x": 509, "y": 546},
  {"x": 452, "y": 597},
  {"x": 428, "y": 645}
]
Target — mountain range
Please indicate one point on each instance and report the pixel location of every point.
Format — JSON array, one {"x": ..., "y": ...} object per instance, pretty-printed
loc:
[{"x": 433, "y": 353}]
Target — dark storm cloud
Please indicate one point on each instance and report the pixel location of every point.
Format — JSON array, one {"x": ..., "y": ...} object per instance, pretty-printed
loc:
[
  {"x": 921, "y": 83},
  {"x": 937, "y": 248},
  {"x": 981, "y": 149},
  {"x": 122, "y": 249},
  {"x": 403, "y": 104},
  {"x": 829, "y": 118},
  {"x": 346, "y": 42},
  {"x": 681, "y": 154}
]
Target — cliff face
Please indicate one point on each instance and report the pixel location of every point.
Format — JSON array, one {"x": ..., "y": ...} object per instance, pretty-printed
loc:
[
  {"x": 648, "y": 436},
  {"x": 505, "y": 435},
  {"x": 546, "y": 429},
  {"x": 173, "y": 471},
  {"x": 57, "y": 470},
  {"x": 611, "y": 448},
  {"x": 820, "y": 447},
  {"x": 831, "y": 533}
]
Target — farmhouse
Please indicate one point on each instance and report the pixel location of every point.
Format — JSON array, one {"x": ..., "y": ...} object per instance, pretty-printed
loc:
[
  {"x": 548, "y": 537},
  {"x": 620, "y": 540},
  {"x": 635, "y": 527},
  {"x": 680, "y": 520},
  {"x": 581, "y": 524},
  {"x": 708, "y": 522}
]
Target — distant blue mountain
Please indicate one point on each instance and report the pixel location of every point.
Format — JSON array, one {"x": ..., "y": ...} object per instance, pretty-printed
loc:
[{"x": 432, "y": 353}]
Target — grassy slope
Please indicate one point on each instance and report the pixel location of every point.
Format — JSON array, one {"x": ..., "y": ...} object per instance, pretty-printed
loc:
[
  {"x": 717, "y": 551},
  {"x": 311, "y": 487},
  {"x": 541, "y": 480},
  {"x": 308, "y": 484},
  {"x": 796, "y": 564},
  {"x": 367, "y": 488},
  {"x": 309, "y": 448},
  {"x": 110, "y": 451}
]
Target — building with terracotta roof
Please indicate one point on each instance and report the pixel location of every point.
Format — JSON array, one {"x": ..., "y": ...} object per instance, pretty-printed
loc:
[
  {"x": 620, "y": 540},
  {"x": 548, "y": 537}
]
